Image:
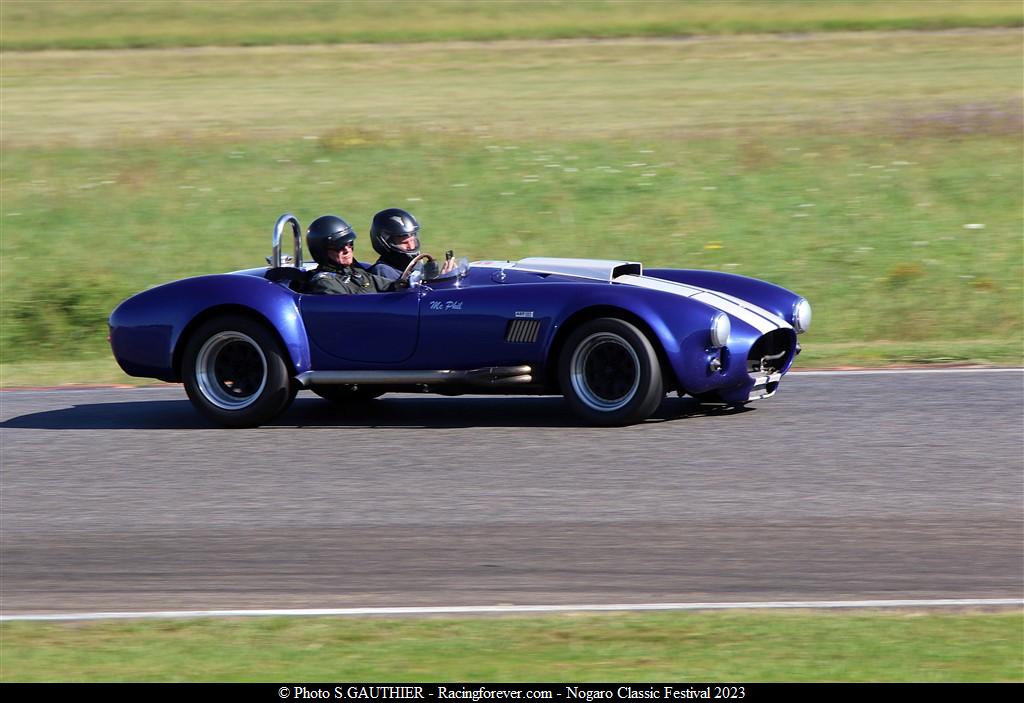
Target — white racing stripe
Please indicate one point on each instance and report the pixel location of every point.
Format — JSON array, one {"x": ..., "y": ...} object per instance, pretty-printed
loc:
[
  {"x": 600, "y": 270},
  {"x": 511, "y": 609},
  {"x": 758, "y": 318}
]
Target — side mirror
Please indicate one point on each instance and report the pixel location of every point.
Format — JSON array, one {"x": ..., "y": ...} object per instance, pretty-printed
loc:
[
  {"x": 416, "y": 279},
  {"x": 463, "y": 267}
]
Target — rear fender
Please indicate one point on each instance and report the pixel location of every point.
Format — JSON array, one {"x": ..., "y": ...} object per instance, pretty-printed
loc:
[{"x": 148, "y": 331}]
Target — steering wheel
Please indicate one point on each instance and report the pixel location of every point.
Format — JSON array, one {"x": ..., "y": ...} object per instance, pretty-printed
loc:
[{"x": 412, "y": 264}]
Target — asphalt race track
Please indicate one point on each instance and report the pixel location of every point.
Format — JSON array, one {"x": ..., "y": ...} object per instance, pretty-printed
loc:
[{"x": 854, "y": 486}]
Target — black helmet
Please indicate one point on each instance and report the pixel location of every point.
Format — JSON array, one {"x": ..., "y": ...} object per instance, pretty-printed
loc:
[
  {"x": 394, "y": 223},
  {"x": 327, "y": 232}
]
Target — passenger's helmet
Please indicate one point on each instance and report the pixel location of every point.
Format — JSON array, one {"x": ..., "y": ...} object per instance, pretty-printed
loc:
[
  {"x": 327, "y": 232},
  {"x": 389, "y": 225}
]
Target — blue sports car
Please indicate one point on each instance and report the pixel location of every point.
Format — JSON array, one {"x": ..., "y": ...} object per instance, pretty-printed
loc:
[{"x": 611, "y": 337}]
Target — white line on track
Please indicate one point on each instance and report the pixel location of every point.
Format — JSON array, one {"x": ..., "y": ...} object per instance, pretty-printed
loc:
[
  {"x": 512, "y": 609},
  {"x": 870, "y": 372}
]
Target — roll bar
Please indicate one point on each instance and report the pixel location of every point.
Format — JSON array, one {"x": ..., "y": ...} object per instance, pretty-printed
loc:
[{"x": 279, "y": 226}]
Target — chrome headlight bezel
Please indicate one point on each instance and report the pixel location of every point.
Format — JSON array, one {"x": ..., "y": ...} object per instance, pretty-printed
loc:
[
  {"x": 801, "y": 316},
  {"x": 721, "y": 328}
]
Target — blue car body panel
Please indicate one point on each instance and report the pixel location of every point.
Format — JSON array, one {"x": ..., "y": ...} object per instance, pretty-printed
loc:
[
  {"x": 372, "y": 329},
  {"x": 146, "y": 330},
  {"x": 498, "y": 314}
]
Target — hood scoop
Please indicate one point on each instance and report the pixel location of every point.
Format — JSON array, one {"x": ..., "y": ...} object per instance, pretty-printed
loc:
[{"x": 595, "y": 269}]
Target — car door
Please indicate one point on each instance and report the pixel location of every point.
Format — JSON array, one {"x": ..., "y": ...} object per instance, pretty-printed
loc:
[
  {"x": 379, "y": 328},
  {"x": 474, "y": 326}
]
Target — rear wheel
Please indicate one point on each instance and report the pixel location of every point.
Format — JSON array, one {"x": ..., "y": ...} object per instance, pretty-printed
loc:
[
  {"x": 610, "y": 374},
  {"x": 236, "y": 372}
]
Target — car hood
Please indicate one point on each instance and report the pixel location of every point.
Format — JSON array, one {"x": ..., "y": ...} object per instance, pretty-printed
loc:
[{"x": 630, "y": 273}]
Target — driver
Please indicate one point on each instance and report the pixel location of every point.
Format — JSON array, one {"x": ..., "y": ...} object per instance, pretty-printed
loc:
[
  {"x": 394, "y": 234},
  {"x": 331, "y": 242}
]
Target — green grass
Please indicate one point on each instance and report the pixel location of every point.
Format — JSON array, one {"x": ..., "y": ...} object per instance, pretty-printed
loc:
[
  {"x": 883, "y": 86},
  {"x": 92, "y": 24},
  {"x": 879, "y": 175},
  {"x": 797, "y": 646},
  {"x": 887, "y": 260},
  {"x": 93, "y": 371}
]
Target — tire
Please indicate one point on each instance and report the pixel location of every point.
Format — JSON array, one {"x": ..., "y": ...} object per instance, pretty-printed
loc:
[
  {"x": 236, "y": 372},
  {"x": 347, "y": 395},
  {"x": 610, "y": 374}
]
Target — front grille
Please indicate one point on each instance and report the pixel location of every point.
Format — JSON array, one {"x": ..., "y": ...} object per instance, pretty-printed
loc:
[
  {"x": 522, "y": 330},
  {"x": 771, "y": 352}
]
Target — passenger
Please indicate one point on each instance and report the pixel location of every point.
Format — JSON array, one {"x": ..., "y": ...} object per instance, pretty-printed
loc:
[
  {"x": 331, "y": 243},
  {"x": 394, "y": 234}
]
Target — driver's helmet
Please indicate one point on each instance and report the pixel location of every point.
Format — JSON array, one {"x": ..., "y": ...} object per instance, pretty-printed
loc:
[
  {"x": 388, "y": 227},
  {"x": 327, "y": 232}
]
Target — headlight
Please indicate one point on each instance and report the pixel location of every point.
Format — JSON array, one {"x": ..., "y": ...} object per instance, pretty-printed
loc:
[
  {"x": 720, "y": 329},
  {"x": 801, "y": 316}
]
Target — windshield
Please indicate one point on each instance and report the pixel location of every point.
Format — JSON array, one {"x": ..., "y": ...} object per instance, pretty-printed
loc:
[{"x": 434, "y": 270}]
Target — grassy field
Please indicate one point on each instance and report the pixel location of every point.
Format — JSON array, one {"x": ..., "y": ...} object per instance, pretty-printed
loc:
[
  {"x": 796, "y": 646},
  {"x": 878, "y": 174},
  {"x": 92, "y": 24}
]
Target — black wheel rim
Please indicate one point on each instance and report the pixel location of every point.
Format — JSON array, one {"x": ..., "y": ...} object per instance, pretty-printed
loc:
[
  {"x": 605, "y": 372},
  {"x": 231, "y": 370}
]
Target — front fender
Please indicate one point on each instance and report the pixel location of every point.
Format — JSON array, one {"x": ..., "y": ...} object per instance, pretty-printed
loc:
[
  {"x": 680, "y": 326},
  {"x": 147, "y": 329}
]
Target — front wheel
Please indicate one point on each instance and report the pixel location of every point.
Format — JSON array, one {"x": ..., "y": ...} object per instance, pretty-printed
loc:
[
  {"x": 236, "y": 373},
  {"x": 610, "y": 374}
]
